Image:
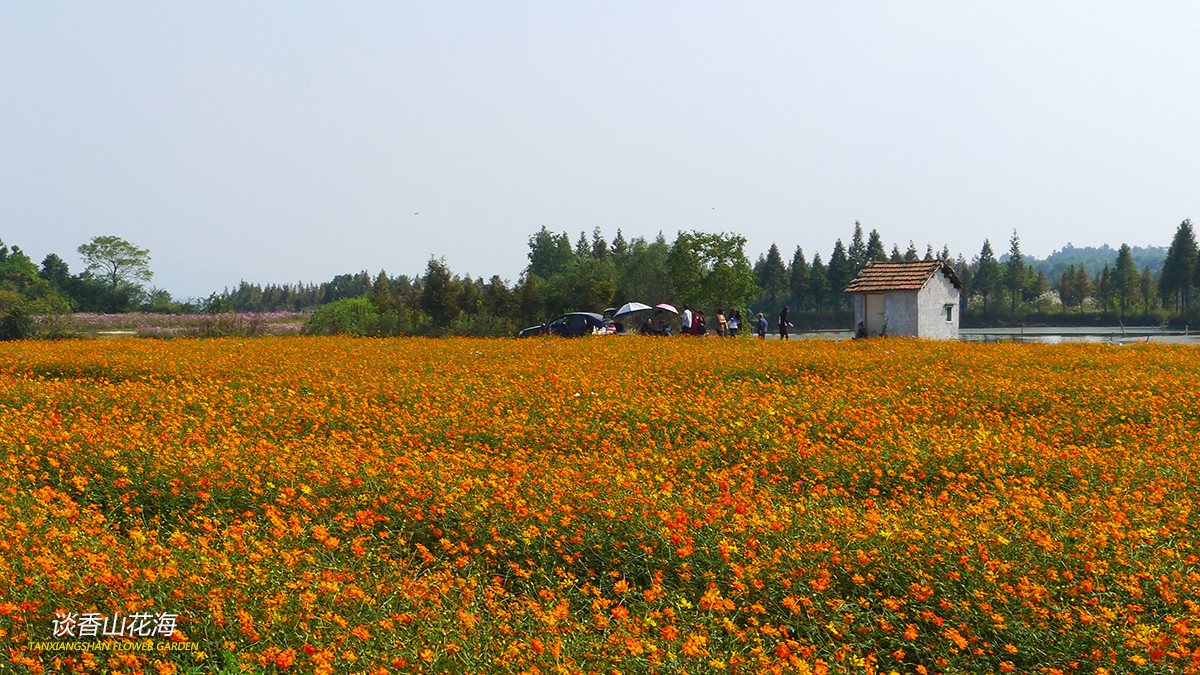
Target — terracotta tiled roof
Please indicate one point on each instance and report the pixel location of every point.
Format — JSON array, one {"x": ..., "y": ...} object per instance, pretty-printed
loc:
[{"x": 901, "y": 276}]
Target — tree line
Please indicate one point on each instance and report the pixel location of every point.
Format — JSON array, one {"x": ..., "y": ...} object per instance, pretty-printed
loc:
[
  {"x": 711, "y": 270},
  {"x": 590, "y": 273}
]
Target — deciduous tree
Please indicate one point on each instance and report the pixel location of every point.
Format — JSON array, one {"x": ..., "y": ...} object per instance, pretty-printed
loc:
[{"x": 116, "y": 261}]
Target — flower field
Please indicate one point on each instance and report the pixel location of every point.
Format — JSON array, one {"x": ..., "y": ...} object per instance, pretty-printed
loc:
[{"x": 337, "y": 505}]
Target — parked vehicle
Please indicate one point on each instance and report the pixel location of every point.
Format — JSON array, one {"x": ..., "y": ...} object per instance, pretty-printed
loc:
[{"x": 572, "y": 324}]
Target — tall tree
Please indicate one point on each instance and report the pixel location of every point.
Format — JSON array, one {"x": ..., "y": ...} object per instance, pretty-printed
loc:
[
  {"x": 798, "y": 279},
  {"x": 1126, "y": 280},
  {"x": 1016, "y": 272},
  {"x": 910, "y": 254},
  {"x": 381, "y": 293},
  {"x": 987, "y": 274},
  {"x": 1065, "y": 287},
  {"x": 1106, "y": 290},
  {"x": 857, "y": 254},
  {"x": 840, "y": 274},
  {"x": 1083, "y": 287},
  {"x": 711, "y": 270},
  {"x": 1146, "y": 287},
  {"x": 1177, "y": 279},
  {"x": 439, "y": 293},
  {"x": 599, "y": 246},
  {"x": 875, "y": 250},
  {"x": 55, "y": 270},
  {"x": 549, "y": 253},
  {"x": 773, "y": 279},
  {"x": 818, "y": 282},
  {"x": 642, "y": 273},
  {"x": 116, "y": 261},
  {"x": 619, "y": 246}
]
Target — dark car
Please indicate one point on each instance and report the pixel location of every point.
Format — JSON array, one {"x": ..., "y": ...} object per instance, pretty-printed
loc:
[{"x": 573, "y": 324}]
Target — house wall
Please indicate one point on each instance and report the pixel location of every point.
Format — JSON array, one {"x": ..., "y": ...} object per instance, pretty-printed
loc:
[
  {"x": 900, "y": 313},
  {"x": 931, "y": 302}
]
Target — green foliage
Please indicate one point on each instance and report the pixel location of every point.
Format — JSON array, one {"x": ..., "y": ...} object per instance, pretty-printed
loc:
[
  {"x": 585, "y": 285},
  {"x": 16, "y": 324},
  {"x": 841, "y": 273},
  {"x": 642, "y": 272},
  {"x": 1094, "y": 258},
  {"x": 549, "y": 254},
  {"x": 875, "y": 250},
  {"x": 1016, "y": 273},
  {"x": 439, "y": 293},
  {"x": 1126, "y": 280},
  {"x": 711, "y": 270},
  {"x": 857, "y": 254},
  {"x": 481, "y": 325},
  {"x": 116, "y": 261},
  {"x": 349, "y": 316},
  {"x": 987, "y": 274},
  {"x": 1180, "y": 268},
  {"x": 772, "y": 278},
  {"x": 798, "y": 280}
]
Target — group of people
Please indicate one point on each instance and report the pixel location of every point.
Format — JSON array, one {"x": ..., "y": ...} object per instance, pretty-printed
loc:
[{"x": 695, "y": 323}]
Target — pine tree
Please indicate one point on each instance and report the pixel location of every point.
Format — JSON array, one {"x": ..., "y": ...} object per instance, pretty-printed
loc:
[
  {"x": 773, "y": 279},
  {"x": 911, "y": 255},
  {"x": 1016, "y": 272},
  {"x": 599, "y": 246},
  {"x": 857, "y": 254},
  {"x": 1126, "y": 279},
  {"x": 840, "y": 274},
  {"x": 1177, "y": 279},
  {"x": 875, "y": 250},
  {"x": 1065, "y": 287},
  {"x": 818, "y": 282},
  {"x": 798, "y": 279},
  {"x": 987, "y": 274}
]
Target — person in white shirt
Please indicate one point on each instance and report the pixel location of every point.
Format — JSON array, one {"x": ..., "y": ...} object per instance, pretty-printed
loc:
[{"x": 687, "y": 321}]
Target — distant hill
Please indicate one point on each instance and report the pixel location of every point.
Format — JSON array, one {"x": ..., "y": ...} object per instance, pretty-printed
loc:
[{"x": 1095, "y": 258}]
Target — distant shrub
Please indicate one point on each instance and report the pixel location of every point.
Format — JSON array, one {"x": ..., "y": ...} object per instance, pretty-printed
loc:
[
  {"x": 16, "y": 324},
  {"x": 349, "y": 316},
  {"x": 481, "y": 325},
  {"x": 396, "y": 322}
]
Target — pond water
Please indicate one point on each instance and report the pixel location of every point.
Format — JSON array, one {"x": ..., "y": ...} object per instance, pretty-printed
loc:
[
  {"x": 1047, "y": 335},
  {"x": 1056, "y": 334}
]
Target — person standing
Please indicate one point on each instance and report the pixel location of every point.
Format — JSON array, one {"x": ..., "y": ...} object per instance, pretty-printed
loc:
[
  {"x": 722, "y": 323},
  {"x": 784, "y": 324},
  {"x": 735, "y": 322},
  {"x": 687, "y": 321},
  {"x": 761, "y": 322}
]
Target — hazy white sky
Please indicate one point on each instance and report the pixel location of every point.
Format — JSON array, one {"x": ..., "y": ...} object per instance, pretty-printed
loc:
[{"x": 292, "y": 141}]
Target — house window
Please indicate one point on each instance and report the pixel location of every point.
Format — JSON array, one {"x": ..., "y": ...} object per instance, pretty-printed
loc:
[{"x": 949, "y": 309}]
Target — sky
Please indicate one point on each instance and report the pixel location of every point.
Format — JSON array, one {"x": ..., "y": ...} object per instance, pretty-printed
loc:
[{"x": 285, "y": 142}]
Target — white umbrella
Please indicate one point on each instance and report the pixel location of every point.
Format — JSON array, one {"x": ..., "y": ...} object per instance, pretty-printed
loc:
[
  {"x": 630, "y": 308},
  {"x": 669, "y": 308}
]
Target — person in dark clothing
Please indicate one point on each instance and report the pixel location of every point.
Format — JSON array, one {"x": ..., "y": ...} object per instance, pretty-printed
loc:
[
  {"x": 861, "y": 332},
  {"x": 784, "y": 324}
]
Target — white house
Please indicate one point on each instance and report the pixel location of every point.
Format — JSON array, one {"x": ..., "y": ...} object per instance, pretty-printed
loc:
[{"x": 917, "y": 299}]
